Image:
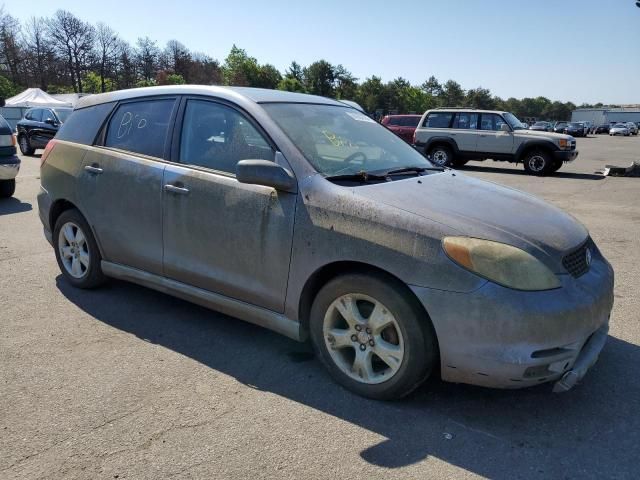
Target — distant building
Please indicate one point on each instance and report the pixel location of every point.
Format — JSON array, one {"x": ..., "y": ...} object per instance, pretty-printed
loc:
[{"x": 606, "y": 115}]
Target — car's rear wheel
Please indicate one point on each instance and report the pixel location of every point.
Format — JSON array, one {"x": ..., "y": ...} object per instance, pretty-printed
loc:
[
  {"x": 441, "y": 155},
  {"x": 76, "y": 251},
  {"x": 537, "y": 162},
  {"x": 25, "y": 146},
  {"x": 372, "y": 336},
  {"x": 7, "y": 188}
]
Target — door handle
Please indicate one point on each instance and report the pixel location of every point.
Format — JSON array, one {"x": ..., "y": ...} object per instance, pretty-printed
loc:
[
  {"x": 92, "y": 169},
  {"x": 177, "y": 190}
]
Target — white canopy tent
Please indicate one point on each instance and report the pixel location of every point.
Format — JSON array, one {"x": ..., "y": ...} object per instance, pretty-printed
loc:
[{"x": 34, "y": 97}]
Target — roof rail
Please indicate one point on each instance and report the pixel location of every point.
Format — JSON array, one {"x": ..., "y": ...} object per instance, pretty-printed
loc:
[{"x": 455, "y": 108}]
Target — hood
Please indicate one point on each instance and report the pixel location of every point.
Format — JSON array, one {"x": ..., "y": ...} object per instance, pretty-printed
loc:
[
  {"x": 542, "y": 134},
  {"x": 485, "y": 210}
]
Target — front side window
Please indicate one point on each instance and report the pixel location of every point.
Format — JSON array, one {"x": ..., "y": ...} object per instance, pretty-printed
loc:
[
  {"x": 438, "y": 120},
  {"x": 492, "y": 122},
  {"x": 466, "y": 121},
  {"x": 340, "y": 141},
  {"x": 217, "y": 137},
  {"x": 140, "y": 127},
  {"x": 35, "y": 115}
]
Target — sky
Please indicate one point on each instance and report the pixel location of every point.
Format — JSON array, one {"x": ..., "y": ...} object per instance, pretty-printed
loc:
[{"x": 569, "y": 50}]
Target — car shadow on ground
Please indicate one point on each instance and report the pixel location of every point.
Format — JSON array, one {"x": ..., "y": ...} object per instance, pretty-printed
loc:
[
  {"x": 13, "y": 205},
  {"x": 512, "y": 171},
  {"x": 593, "y": 430}
]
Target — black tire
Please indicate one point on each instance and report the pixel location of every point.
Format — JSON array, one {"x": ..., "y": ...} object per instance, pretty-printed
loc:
[
  {"x": 458, "y": 162},
  {"x": 418, "y": 337},
  {"x": 92, "y": 277},
  {"x": 556, "y": 165},
  {"x": 25, "y": 145},
  {"x": 7, "y": 188},
  {"x": 537, "y": 162},
  {"x": 441, "y": 155}
]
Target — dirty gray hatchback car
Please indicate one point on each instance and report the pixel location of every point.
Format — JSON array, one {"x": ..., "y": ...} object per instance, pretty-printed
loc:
[{"x": 301, "y": 214}]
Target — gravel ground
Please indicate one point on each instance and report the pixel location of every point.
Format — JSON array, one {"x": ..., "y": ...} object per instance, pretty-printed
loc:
[{"x": 124, "y": 382}]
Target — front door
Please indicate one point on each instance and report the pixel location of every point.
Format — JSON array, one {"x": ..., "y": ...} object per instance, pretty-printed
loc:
[
  {"x": 121, "y": 192},
  {"x": 219, "y": 234},
  {"x": 491, "y": 138}
]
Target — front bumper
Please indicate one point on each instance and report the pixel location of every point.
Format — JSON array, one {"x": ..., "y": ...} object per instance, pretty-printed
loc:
[
  {"x": 503, "y": 338},
  {"x": 565, "y": 155},
  {"x": 9, "y": 167}
]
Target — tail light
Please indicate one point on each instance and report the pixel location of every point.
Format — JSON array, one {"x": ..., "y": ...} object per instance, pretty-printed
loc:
[{"x": 48, "y": 149}]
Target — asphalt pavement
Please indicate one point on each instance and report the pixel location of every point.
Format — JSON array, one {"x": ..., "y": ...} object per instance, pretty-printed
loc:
[{"x": 124, "y": 382}]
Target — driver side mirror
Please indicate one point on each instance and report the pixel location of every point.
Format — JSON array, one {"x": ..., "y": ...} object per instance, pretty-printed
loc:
[
  {"x": 51, "y": 121},
  {"x": 267, "y": 173},
  {"x": 505, "y": 128}
]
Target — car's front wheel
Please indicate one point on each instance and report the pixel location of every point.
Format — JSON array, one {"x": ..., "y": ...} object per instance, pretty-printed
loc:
[
  {"x": 537, "y": 162},
  {"x": 25, "y": 146},
  {"x": 441, "y": 155},
  {"x": 372, "y": 336},
  {"x": 76, "y": 251},
  {"x": 7, "y": 188}
]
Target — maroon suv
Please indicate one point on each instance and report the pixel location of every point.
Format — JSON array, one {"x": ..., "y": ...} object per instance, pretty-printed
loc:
[{"x": 402, "y": 125}]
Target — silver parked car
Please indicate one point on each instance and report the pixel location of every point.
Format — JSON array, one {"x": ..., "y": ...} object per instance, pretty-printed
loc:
[
  {"x": 633, "y": 128},
  {"x": 303, "y": 215},
  {"x": 619, "y": 129}
]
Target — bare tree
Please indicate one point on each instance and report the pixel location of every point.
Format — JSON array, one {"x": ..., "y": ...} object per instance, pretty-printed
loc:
[
  {"x": 39, "y": 53},
  {"x": 179, "y": 58},
  {"x": 107, "y": 45},
  {"x": 147, "y": 57},
  {"x": 11, "y": 57},
  {"x": 73, "y": 39}
]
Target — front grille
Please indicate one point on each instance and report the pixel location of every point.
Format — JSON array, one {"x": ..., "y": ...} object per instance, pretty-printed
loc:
[{"x": 576, "y": 261}]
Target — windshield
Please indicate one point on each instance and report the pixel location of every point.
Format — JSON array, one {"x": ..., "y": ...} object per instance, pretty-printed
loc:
[
  {"x": 513, "y": 121},
  {"x": 341, "y": 141},
  {"x": 63, "y": 113},
  {"x": 575, "y": 125}
]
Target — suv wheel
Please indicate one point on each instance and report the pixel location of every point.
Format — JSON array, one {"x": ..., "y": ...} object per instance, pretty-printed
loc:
[
  {"x": 441, "y": 155},
  {"x": 76, "y": 251},
  {"x": 25, "y": 146},
  {"x": 372, "y": 337},
  {"x": 537, "y": 162},
  {"x": 7, "y": 188}
]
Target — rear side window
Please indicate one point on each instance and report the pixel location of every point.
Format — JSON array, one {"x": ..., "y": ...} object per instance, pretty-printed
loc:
[
  {"x": 140, "y": 127},
  {"x": 35, "y": 115},
  {"x": 466, "y": 121},
  {"x": 410, "y": 121},
  {"x": 83, "y": 125},
  {"x": 393, "y": 121},
  {"x": 438, "y": 120}
]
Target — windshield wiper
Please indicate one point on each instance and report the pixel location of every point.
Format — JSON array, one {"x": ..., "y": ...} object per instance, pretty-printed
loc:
[
  {"x": 396, "y": 171},
  {"x": 361, "y": 176}
]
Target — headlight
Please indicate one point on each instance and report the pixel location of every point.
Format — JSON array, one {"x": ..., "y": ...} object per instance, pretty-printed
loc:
[{"x": 501, "y": 263}]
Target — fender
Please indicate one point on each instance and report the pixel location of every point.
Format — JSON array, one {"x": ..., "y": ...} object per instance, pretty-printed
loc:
[
  {"x": 540, "y": 143},
  {"x": 435, "y": 140}
]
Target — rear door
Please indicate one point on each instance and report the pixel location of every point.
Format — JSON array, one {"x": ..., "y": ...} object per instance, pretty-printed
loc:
[
  {"x": 491, "y": 139},
  {"x": 219, "y": 234},
  {"x": 465, "y": 131},
  {"x": 121, "y": 184},
  {"x": 34, "y": 128}
]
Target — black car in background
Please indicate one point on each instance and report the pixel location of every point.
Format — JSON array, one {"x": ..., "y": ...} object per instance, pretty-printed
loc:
[
  {"x": 560, "y": 126},
  {"x": 574, "y": 129},
  {"x": 602, "y": 128},
  {"x": 38, "y": 126}
]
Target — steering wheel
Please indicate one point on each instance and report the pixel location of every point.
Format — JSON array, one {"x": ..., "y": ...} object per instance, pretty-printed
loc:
[{"x": 354, "y": 156}]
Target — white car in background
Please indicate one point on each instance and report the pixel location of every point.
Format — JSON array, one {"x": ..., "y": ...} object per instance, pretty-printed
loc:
[{"x": 619, "y": 129}]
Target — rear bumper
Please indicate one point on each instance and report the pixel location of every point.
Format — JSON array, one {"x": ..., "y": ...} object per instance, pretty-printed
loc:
[
  {"x": 565, "y": 155},
  {"x": 9, "y": 167},
  {"x": 44, "y": 207},
  {"x": 503, "y": 338}
]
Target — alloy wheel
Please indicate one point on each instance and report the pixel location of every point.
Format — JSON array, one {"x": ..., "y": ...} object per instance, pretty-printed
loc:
[
  {"x": 363, "y": 338},
  {"x": 74, "y": 250}
]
